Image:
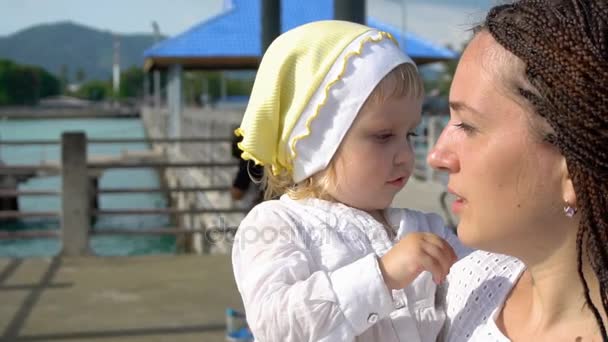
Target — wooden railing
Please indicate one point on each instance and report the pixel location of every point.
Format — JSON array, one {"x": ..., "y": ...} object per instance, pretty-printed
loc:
[{"x": 76, "y": 210}]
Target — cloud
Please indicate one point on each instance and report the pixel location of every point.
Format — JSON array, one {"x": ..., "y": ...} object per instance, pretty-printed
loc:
[
  {"x": 442, "y": 22},
  {"x": 118, "y": 15}
]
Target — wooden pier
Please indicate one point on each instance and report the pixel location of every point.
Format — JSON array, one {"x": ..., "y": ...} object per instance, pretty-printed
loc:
[{"x": 153, "y": 298}]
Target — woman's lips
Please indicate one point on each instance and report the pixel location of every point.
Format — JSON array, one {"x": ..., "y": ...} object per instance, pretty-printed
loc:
[{"x": 458, "y": 203}]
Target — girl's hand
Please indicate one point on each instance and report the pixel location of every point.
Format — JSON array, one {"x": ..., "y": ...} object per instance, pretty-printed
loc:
[{"x": 415, "y": 253}]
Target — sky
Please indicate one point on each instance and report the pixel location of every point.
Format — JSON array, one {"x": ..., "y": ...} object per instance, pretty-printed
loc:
[{"x": 442, "y": 21}]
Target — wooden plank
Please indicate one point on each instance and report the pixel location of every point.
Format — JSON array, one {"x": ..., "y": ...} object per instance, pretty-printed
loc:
[
  {"x": 144, "y": 164},
  {"x": 147, "y": 190},
  {"x": 161, "y": 231},
  {"x": 182, "y": 140},
  {"x": 164, "y": 211},
  {"x": 16, "y": 193},
  {"x": 55, "y": 233},
  {"x": 28, "y": 234},
  {"x": 11, "y": 214}
]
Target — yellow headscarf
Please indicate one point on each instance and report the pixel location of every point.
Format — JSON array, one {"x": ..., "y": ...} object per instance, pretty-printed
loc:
[{"x": 291, "y": 71}]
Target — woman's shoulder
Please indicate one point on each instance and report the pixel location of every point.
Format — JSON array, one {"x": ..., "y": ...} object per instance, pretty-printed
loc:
[
  {"x": 486, "y": 264},
  {"x": 476, "y": 287},
  {"x": 483, "y": 271}
]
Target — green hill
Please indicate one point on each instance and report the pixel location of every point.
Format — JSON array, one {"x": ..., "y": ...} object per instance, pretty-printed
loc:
[{"x": 74, "y": 46}]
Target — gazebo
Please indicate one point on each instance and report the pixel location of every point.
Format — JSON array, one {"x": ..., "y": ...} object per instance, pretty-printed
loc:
[{"x": 233, "y": 40}]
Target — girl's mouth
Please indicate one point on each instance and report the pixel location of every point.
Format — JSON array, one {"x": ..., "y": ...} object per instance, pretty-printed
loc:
[{"x": 397, "y": 182}]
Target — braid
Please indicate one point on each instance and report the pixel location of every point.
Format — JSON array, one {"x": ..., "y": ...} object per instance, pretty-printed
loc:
[
  {"x": 564, "y": 45},
  {"x": 594, "y": 220}
]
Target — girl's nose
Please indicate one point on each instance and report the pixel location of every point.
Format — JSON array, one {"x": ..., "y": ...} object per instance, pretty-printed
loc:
[{"x": 405, "y": 152}]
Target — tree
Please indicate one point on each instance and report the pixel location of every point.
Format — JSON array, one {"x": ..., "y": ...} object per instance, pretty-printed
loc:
[
  {"x": 194, "y": 81},
  {"x": 25, "y": 85},
  {"x": 64, "y": 76},
  {"x": 95, "y": 90},
  {"x": 131, "y": 83},
  {"x": 49, "y": 84},
  {"x": 5, "y": 65},
  {"x": 80, "y": 75}
]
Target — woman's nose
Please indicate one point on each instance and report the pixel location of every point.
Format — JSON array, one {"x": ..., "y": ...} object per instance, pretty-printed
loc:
[{"x": 443, "y": 159}]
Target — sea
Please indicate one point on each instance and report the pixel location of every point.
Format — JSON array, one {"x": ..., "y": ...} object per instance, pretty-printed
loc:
[{"x": 44, "y": 129}]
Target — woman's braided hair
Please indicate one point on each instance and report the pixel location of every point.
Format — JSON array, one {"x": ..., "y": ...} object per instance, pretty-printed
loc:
[{"x": 564, "y": 46}]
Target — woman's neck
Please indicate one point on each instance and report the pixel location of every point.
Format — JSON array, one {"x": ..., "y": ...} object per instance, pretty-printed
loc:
[
  {"x": 550, "y": 295},
  {"x": 556, "y": 291}
]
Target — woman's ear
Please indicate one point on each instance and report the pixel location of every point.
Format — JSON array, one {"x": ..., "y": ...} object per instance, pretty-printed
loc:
[{"x": 568, "y": 193}]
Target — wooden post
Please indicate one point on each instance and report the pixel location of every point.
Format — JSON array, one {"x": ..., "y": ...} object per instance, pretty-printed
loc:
[
  {"x": 93, "y": 196},
  {"x": 75, "y": 198},
  {"x": 189, "y": 238},
  {"x": 9, "y": 182},
  {"x": 206, "y": 240}
]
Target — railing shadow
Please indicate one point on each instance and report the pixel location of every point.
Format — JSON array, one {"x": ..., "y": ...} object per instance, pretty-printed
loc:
[
  {"x": 16, "y": 324},
  {"x": 77, "y": 336}
]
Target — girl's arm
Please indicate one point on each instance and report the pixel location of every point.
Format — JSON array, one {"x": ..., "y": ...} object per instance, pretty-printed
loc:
[{"x": 287, "y": 298}]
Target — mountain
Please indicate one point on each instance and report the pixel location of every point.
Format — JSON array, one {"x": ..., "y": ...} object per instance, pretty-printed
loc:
[{"x": 76, "y": 46}]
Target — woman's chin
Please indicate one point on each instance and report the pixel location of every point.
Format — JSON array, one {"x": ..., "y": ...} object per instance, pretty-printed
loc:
[{"x": 469, "y": 236}]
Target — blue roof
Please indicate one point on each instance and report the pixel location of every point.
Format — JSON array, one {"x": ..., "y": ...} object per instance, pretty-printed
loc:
[{"x": 237, "y": 32}]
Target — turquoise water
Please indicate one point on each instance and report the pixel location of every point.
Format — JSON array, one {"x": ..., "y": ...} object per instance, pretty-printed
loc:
[{"x": 94, "y": 128}]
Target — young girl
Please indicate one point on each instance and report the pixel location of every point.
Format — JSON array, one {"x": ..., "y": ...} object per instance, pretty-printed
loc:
[{"x": 331, "y": 112}]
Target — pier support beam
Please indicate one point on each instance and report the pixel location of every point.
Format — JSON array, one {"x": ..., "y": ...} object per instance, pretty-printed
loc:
[
  {"x": 146, "y": 89},
  {"x": 156, "y": 81},
  {"x": 271, "y": 21},
  {"x": 175, "y": 102},
  {"x": 350, "y": 10},
  {"x": 75, "y": 198}
]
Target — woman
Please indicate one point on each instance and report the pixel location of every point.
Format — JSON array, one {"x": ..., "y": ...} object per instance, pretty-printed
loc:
[{"x": 527, "y": 154}]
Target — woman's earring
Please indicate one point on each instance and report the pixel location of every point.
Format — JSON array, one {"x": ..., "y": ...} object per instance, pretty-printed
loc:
[{"x": 569, "y": 210}]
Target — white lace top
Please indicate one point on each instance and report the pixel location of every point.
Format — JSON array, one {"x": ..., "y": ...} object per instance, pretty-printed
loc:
[
  {"x": 477, "y": 287},
  {"x": 308, "y": 271}
]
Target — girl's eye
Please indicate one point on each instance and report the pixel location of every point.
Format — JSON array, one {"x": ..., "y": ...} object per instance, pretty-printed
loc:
[
  {"x": 410, "y": 135},
  {"x": 468, "y": 129},
  {"x": 384, "y": 137}
]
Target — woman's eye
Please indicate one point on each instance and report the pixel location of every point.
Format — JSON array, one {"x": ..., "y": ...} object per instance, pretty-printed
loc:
[
  {"x": 410, "y": 135},
  {"x": 468, "y": 129}
]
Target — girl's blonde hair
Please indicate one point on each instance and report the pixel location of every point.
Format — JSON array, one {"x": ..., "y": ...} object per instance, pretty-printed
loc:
[{"x": 402, "y": 81}]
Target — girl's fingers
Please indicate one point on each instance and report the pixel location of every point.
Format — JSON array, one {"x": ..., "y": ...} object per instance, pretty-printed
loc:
[
  {"x": 445, "y": 247},
  {"x": 441, "y": 258},
  {"x": 433, "y": 265}
]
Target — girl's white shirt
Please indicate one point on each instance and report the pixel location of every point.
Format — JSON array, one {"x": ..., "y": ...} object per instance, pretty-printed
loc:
[
  {"x": 477, "y": 288},
  {"x": 307, "y": 270}
]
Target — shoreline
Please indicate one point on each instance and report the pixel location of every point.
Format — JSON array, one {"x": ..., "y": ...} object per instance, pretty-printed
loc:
[{"x": 68, "y": 112}]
